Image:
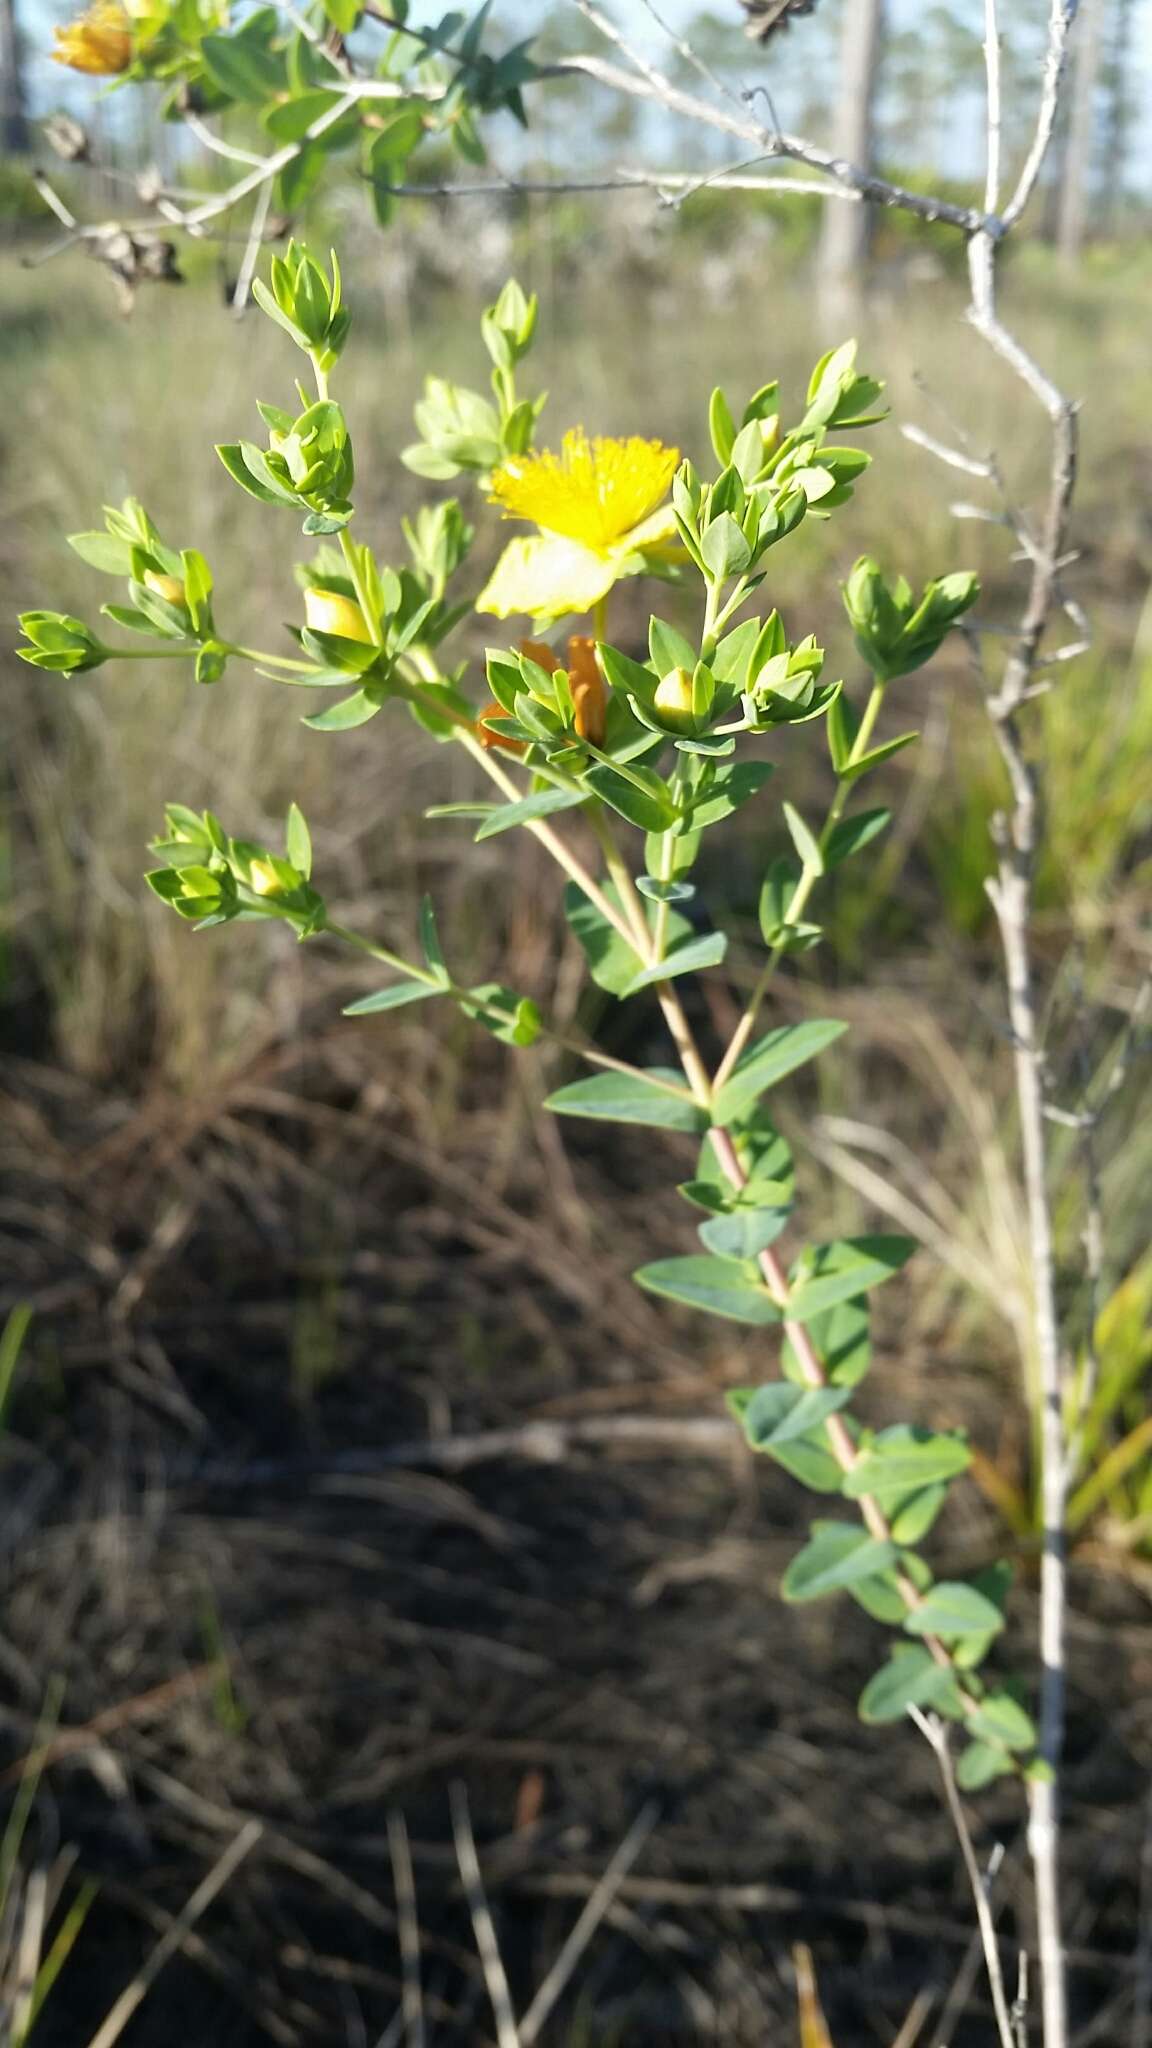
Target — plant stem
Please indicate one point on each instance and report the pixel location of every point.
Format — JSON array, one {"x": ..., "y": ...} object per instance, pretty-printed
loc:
[
  {"x": 936, "y": 1737},
  {"x": 571, "y": 863},
  {"x": 803, "y": 890},
  {"x": 407, "y": 968},
  {"x": 150, "y": 653},
  {"x": 578, "y": 1047},
  {"x": 276, "y": 660},
  {"x": 815, "y": 1375},
  {"x": 641, "y": 937}
]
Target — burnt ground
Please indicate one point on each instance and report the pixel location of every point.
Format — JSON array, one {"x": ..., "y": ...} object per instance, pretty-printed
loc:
[{"x": 222, "y": 1539}]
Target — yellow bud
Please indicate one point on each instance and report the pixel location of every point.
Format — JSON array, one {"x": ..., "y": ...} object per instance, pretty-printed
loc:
[
  {"x": 170, "y": 587},
  {"x": 673, "y": 699},
  {"x": 329, "y": 611},
  {"x": 263, "y": 879},
  {"x": 770, "y": 433}
]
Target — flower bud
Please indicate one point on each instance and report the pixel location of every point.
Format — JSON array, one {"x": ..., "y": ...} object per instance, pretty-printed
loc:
[
  {"x": 589, "y": 697},
  {"x": 489, "y": 739},
  {"x": 263, "y": 879},
  {"x": 170, "y": 587},
  {"x": 539, "y": 652},
  {"x": 329, "y": 611},
  {"x": 673, "y": 699}
]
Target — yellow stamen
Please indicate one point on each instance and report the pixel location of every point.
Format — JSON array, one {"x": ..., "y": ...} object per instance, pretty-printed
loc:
[
  {"x": 99, "y": 40},
  {"x": 594, "y": 491}
]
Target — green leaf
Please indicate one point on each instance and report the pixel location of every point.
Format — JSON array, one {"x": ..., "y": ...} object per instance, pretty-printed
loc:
[
  {"x": 669, "y": 649},
  {"x": 430, "y": 938},
  {"x": 911, "y": 1679},
  {"x": 1001, "y": 1719},
  {"x": 513, "y": 1018},
  {"x": 653, "y": 1097},
  {"x": 902, "y": 1459},
  {"x": 241, "y": 68},
  {"x": 765, "y": 1157},
  {"x": 231, "y": 455},
  {"x": 869, "y": 761},
  {"x": 743, "y": 1233},
  {"x": 915, "y": 1515},
  {"x": 838, "y": 1555},
  {"x": 298, "y": 841},
  {"x": 808, "y": 1459},
  {"x": 539, "y": 805},
  {"x": 351, "y": 711},
  {"x": 777, "y": 1054},
  {"x": 690, "y": 958},
  {"x": 628, "y": 676},
  {"x": 721, "y": 425},
  {"x": 805, "y": 841},
  {"x": 392, "y": 998},
  {"x": 954, "y": 1609},
  {"x": 659, "y": 891},
  {"x": 724, "y": 548},
  {"x": 779, "y": 1413},
  {"x": 882, "y": 1598},
  {"x": 290, "y": 120},
  {"x": 612, "y": 961},
  {"x": 841, "y": 1270},
  {"x": 725, "y": 792},
  {"x": 103, "y": 551},
  {"x": 343, "y": 14},
  {"x": 842, "y": 1341},
  {"x": 650, "y": 807},
  {"x": 719, "y": 1286},
  {"x": 854, "y": 834},
  {"x": 979, "y": 1764}
]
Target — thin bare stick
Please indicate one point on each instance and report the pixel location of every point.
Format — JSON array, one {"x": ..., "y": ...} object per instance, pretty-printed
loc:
[
  {"x": 507, "y": 2033},
  {"x": 597, "y": 1905},
  {"x": 412, "y": 2009},
  {"x": 936, "y": 1736},
  {"x": 252, "y": 251},
  {"x": 916, "y": 2020},
  {"x": 1142, "y": 1997},
  {"x": 1060, "y": 19},
  {"x": 220, "y": 1874}
]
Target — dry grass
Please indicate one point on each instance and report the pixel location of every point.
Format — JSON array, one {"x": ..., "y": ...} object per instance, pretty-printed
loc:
[{"x": 239, "y": 1218}]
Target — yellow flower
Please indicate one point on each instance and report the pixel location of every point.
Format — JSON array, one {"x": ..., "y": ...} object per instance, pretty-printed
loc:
[
  {"x": 99, "y": 40},
  {"x": 329, "y": 611},
  {"x": 171, "y": 587},
  {"x": 596, "y": 505}
]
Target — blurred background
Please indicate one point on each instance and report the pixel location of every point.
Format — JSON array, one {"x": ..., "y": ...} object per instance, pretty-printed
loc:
[{"x": 257, "y": 1252}]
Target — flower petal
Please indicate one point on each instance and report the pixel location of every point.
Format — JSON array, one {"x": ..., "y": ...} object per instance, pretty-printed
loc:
[
  {"x": 546, "y": 577},
  {"x": 659, "y": 526}
]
